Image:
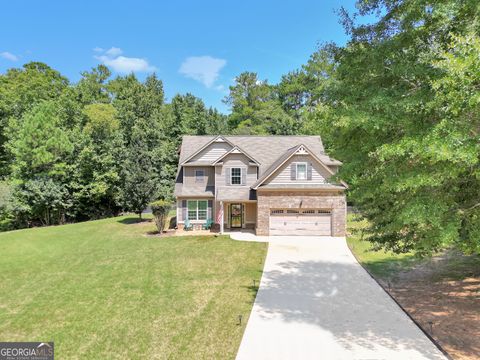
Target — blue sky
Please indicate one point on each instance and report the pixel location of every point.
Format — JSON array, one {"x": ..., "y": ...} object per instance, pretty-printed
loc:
[{"x": 193, "y": 46}]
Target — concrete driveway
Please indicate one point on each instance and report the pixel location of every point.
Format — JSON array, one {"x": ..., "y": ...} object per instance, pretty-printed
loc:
[{"x": 316, "y": 302}]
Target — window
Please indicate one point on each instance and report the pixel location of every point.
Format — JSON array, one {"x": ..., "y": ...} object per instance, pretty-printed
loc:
[
  {"x": 324, "y": 211},
  {"x": 199, "y": 176},
  {"x": 301, "y": 171},
  {"x": 236, "y": 176},
  {"x": 197, "y": 209}
]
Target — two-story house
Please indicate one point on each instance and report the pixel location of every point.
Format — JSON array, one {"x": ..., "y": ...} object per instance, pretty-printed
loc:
[{"x": 277, "y": 185}]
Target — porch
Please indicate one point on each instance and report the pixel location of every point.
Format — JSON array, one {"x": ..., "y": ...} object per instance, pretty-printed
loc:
[{"x": 235, "y": 215}]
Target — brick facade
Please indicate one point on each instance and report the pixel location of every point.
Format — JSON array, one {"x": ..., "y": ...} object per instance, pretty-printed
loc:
[{"x": 332, "y": 200}]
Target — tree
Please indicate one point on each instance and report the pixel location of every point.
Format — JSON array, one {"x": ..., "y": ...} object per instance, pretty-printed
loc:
[
  {"x": 409, "y": 155},
  {"x": 217, "y": 123},
  {"x": 45, "y": 200},
  {"x": 456, "y": 137},
  {"x": 134, "y": 100},
  {"x": 160, "y": 210},
  {"x": 95, "y": 173},
  {"x": 6, "y": 213},
  {"x": 141, "y": 112},
  {"x": 295, "y": 92},
  {"x": 140, "y": 176},
  {"x": 256, "y": 109},
  {"x": 93, "y": 87},
  {"x": 40, "y": 146},
  {"x": 20, "y": 91}
]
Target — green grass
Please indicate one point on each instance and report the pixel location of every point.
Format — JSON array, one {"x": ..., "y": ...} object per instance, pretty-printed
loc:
[
  {"x": 382, "y": 264},
  {"x": 102, "y": 289},
  {"x": 385, "y": 265}
]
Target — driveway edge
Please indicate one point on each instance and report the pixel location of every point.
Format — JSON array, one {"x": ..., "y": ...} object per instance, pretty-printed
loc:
[{"x": 439, "y": 347}]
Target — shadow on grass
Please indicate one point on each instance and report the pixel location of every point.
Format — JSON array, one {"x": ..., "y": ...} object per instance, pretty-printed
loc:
[
  {"x": 133, "y": 220},
  {"x": 448, "y": 265},
  {"x": 252, "y": 290},
  {"x": 157, "y": 233},
  {"x": 387, "y": 269}
]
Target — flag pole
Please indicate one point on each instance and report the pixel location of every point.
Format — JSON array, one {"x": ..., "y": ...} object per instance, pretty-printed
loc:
[{"x": 221, "y": 217}]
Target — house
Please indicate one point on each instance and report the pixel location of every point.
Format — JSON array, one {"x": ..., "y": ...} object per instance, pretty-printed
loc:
[{"x": 277, "y": 185}]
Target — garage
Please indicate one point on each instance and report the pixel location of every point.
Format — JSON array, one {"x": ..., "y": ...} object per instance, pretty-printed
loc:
[{"x": 305, "y": 222}]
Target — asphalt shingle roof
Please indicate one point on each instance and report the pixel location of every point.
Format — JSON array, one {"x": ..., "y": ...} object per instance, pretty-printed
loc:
[
  {"x": 265, "y": 149},
  {"x": 232, "y": 193}
]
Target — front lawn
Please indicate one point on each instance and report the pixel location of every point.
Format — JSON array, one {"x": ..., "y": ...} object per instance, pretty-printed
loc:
[{"x": 102, "y": 289}]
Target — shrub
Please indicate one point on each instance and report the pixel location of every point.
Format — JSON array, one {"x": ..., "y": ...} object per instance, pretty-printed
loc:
[{"x": 160, "y": 210}]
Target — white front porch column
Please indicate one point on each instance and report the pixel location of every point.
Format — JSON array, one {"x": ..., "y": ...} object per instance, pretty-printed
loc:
[{"x": 221, "y": 217}]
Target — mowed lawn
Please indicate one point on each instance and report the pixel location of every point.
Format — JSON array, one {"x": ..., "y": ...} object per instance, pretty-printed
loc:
[
  {"x": 382, "y": 264},
  {"x": 103, "y": 289}
]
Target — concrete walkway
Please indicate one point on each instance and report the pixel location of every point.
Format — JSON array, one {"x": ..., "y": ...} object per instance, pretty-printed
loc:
[{"x": 316, "y": 302}]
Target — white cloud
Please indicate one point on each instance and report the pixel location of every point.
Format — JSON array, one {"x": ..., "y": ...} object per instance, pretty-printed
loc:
[
  {"x": 122, "y": 64},
  {"x": 9, "y": 56},
  {"x": 98, "y": 49},
  {"x": 204, "y": 69},
  {"x": 113, "y": 51}
]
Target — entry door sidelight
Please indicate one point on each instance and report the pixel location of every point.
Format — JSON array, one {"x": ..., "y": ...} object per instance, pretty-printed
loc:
[{"x": 236, "y": 215}]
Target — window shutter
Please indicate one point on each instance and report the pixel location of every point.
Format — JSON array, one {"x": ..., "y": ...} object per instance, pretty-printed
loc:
[
  {"x": 293, "y": 171},
  {"x": 309, "y": 171},
  {"x": 209, "y": 210},
  {"x": 227, "y": 176},
  {"x": 244, "y": 176},
  {"x": 184, "y": 210}
]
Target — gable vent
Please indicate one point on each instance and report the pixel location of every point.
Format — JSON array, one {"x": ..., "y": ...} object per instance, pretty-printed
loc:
[{"x": 301, "y": 151}]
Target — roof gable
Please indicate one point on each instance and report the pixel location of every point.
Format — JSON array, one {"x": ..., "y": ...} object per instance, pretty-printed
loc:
[
  {"x": 235, "y": 150},
  {"x": 218, "y": 139},
  {"x": 298, "y": 150}
]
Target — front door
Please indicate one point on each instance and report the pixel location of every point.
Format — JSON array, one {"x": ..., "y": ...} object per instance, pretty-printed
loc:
[{"x": 236, "y": 215}]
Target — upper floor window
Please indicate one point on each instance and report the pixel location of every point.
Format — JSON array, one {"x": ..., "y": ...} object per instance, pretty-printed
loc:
[
  {"x": 199, "y": 176},
  {"x": 236, "y": 176},
  {"x": 301, "y": 171}
]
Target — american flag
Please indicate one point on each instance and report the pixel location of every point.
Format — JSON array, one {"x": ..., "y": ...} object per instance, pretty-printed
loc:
[{"x": 220, "y": 215}]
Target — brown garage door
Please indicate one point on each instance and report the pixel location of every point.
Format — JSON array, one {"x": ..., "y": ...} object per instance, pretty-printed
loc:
[{"x": 300, "y": 222}]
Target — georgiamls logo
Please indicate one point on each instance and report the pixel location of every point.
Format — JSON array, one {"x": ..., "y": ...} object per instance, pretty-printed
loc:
[{"x": 26, "y": 351}]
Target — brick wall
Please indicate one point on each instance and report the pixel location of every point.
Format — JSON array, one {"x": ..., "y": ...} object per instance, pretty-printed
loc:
[{"x": 334, "y": 200}]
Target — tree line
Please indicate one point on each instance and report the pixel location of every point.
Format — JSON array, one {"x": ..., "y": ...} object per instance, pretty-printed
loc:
[
  {"x": 73, "y": 152},
  {"x": 398, "y": 104}
]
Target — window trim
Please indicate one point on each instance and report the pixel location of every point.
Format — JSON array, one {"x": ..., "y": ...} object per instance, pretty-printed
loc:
[
  {"x": 199, "y": 179},
  {"x": 197, "y": 209},
  {"x": 296, "y": 170},
  {"x": 236, "y": 176}
]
